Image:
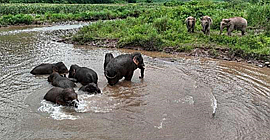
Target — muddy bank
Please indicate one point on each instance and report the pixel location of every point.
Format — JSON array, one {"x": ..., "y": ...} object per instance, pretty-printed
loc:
[{"x": 199, "y": 50}]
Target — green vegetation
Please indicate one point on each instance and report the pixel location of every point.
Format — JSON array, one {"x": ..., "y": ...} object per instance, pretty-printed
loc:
[
  {"x": 13, "y": 14},
  {"x": 163, "y": 26},
  {"x": 63, "y": 1}
]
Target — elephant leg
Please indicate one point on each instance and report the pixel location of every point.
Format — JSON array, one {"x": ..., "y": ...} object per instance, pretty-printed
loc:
[
  {"x": 243, "y": 31},
  {"x": 129, "y": 76},
  {"x": 230, "y": 29}
]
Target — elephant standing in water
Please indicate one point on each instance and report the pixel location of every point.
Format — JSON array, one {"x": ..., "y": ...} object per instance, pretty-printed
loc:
[
  {"x": 46, "y": 68},
  {"x": 83, "y": 75},
  {"x": 122, "y": 66},
  {"x": 235, "y": 23},
  {"x": 65, "y": 97},
  {"x": 190, "y": 22},
  {"x": 59, "y": 81},
  {"x": 206, "y": 21}
]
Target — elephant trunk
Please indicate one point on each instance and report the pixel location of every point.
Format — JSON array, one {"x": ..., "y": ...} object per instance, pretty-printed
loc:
[
  {"x": 109, "y": 77},
  {"x": 73, "y": 103}
]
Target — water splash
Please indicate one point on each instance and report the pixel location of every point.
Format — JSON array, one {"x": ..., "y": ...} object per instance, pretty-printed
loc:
[
  {"x": 214, "y": 105},
  {"x": 57, "y": 112}
]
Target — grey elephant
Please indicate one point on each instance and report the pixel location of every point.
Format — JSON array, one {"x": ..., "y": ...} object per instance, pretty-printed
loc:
[
  {"x": 61, "y": 96},
  {"x": 234, "y": 23},
  {"x": 206, "y": 21},
  {"x": 190, "y": 22},
  {"x": 124, "y": 65}
]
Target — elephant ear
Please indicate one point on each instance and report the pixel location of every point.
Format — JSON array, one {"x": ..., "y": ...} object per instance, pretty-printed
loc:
[
  {"x": 60, "y": 100},
  {"x": 55, "y": 69},
  {"x": 210, "y": 20},
  {"x": 73, "y": 71},
  {"x": 135, "y": 60}
]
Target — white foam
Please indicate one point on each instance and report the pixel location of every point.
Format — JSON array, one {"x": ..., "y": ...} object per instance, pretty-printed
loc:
[
  {"x": 188, "y": 99},
  {"x": 96, "y": 103},
  {"x": 87, "y": 103},
  {"x": 161, "y": 123},
  {"x": 214, "y": 104},
  {"x": 56, "y": 112}
]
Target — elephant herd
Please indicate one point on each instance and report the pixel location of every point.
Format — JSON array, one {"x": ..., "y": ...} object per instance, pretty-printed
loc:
[
  {"x": 115, "y": 68},
  {"x": 234, "y": 23}
]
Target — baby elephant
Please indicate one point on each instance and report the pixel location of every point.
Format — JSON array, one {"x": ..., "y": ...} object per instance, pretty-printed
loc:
[
  {"x": 46, "y": 68},
  {"x": 206, "y": 21},
  {"x": 65, "y": 97},
  {"x": 235, "y": 23},
  {"x": 59, "y": 81},
  {"x": 90, "y": 88},
  {"x": 83, "y": 75},
  {"x": 190, "y": 22},
  {"x": 122, "y": 66}
]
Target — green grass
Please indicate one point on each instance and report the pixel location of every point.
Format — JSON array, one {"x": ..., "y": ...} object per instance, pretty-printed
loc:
[
  {"x": 13, "y": 14},
  {"x": 163, "y": 26}
]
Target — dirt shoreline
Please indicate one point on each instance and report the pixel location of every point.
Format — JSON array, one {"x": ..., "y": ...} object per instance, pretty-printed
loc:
[
  {"x": 200, "y": 50},
  {"x": 219, "y": 53}
]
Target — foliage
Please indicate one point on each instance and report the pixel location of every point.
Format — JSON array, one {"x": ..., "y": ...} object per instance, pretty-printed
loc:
[
  {"x": 13, "y": 14},
  {"x": 163, "y": 26},
  {"x": 59, "y": 1}
]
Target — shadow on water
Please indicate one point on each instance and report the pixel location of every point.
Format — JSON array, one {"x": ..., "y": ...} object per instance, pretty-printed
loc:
[{"x": 175, "y": 100}]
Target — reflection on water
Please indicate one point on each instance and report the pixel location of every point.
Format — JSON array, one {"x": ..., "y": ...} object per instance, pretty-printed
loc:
[{"x": 175, "y": 100}]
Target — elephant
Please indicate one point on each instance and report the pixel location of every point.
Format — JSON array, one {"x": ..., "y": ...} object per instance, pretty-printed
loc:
[
  {"x": 234, "y": 23},
  {"x": 108, "y": 57},
  {"x": 90, "y": 88},
  {"x": 61, "y": 96},
  {"x": 122, "y": 66},
  {"x": 190, "y": 22},
  {"x": 59, "y": 81},
  {"x": 206, "y": 21},
  {"x": 46, "y": 68},
  {"x": 83, "y": 75}
]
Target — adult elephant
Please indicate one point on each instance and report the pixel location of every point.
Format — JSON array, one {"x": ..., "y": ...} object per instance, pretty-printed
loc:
[
  {"x": 59, "y": 81},
  {"x": 83, "y": 75},
  {"x": 122, "y": 66},
  {"x": 61, "y": 96},
  {"x": 190, "y": 22},
  {"x": 206, "y": 21},
  {"x": 47, "y": 68},
  {"x": 234, "y": 23}
]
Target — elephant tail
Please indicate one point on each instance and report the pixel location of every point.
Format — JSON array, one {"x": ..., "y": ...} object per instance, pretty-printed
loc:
[{"x": 109, "y": 77}]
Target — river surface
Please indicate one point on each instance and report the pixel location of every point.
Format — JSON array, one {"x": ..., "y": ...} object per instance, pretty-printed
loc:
[{"x": 175, "y": 101}]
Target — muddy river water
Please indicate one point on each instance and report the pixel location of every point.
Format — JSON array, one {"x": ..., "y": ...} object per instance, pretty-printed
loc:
[{"x": 175, "y": 101}]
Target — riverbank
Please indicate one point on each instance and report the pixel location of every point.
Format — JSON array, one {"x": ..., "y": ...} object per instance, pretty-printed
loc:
[
  {"x": 211, "y": 50},
  {"x": 163, "y": 28}
]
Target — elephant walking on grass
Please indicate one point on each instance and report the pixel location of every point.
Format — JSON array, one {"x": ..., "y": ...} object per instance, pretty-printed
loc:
[
  {"x": 206, "y": 21},
  {"x": 190, "y": 22},
  {"x": 235, "y": 23}
]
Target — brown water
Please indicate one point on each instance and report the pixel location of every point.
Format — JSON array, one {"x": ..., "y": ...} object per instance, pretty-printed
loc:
[{"x": 174, "y": 101}]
